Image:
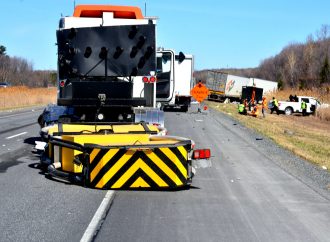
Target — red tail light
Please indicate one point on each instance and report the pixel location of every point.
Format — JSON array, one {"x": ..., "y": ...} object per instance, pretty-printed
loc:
[
  {"x": 146, "y": 79},
  {"x": 202, "y": 154},
  {"x": 207, "y": 153},
  {"x": 62, "y": 83}
]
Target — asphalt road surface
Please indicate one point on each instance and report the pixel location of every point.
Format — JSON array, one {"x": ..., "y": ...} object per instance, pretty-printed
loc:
[
  {"x": 32, "y": 207},
  {"x": 254, "y": 191}
]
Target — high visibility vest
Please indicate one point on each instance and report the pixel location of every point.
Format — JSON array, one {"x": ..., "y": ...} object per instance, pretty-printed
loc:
[
  {"x": 241, "y": 108},
  {"x": 256, "y": 110},
  {"x": 275, "y": 102},
  {"x": 264, "y": 103},
  {"x": 303, "y": 105}
]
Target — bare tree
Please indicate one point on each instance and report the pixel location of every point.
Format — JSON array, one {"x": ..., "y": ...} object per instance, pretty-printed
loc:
[
  {"x": 323, "y": 33},
  {"x": 308, "y": 56},
  {"x": 4, "y": 68},
  {"x": 291, "y": 65}
]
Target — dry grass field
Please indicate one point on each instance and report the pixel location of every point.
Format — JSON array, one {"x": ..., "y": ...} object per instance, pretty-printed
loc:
[
  {"x": 16, "y": 97},
  {"x": 306, "y": 136}
]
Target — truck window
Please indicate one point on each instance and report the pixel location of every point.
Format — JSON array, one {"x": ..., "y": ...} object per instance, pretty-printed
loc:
[
  {"x": 163, "y": 75},
  {"x": 164, "y": 63},
  {"x": 306, "y": 100}
]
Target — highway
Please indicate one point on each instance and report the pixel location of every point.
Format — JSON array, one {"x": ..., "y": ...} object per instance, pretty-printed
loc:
[{"x": 252, "y": 192}]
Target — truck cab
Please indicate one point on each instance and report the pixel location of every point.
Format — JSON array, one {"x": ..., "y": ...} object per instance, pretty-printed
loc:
[{"x": 174, "y": 79}]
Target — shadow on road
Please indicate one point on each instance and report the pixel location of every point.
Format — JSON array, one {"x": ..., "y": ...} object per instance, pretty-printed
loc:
[
  {"x": 4, "y": 165},
  {"x": 43, "y": 171},
  {"x": 187, "y": 187},
  {"x": 173, "y": 110},
  {"x": 38, "y": 166},
  {"x": 32, "y": 140}
]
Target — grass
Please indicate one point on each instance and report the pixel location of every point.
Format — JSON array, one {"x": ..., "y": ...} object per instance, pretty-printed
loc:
[
  {"x": 17, "y": 97},
  {"x": 323, "y": 114},
  {"x": 307, "y": 137}
]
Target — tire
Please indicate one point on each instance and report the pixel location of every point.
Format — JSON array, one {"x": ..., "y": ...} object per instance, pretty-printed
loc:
[
  {"x": 41, "y": 120},
  {"x": 288, "y": 111},
  {"x": 184, "y": 109}
]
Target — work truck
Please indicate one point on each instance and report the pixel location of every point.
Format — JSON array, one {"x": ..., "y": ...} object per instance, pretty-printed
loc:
[
  {"x": 293, "y": 105},
  {"x": 174, "y": 79},
  {"x": 106, "y": 130}
]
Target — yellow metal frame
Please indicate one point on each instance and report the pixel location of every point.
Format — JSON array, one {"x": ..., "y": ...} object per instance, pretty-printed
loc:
[{"x": 127, "y": 158}]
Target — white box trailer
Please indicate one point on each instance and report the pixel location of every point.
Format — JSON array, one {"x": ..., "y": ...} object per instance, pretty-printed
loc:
[
  {"x": 234, "y": 86},
  {"x": 267, "y": 86},
  {"x": 222, "y": 85}
]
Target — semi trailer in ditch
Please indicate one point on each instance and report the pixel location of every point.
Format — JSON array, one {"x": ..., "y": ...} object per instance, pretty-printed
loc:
[{"x": 225, "y": 86}]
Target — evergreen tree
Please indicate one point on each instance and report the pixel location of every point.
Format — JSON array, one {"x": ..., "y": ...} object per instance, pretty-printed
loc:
[
  {"x": 325, "y": 71},
  {"x": 2, "y": 50}
]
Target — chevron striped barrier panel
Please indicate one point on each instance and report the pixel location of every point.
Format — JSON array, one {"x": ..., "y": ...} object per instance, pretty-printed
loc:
[{"x": 139, "y": 167}]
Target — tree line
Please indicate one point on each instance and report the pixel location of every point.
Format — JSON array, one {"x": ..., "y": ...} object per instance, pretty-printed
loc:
[
  {"x": 298, "y": 65},
  {"x": 19, "y": 71}
]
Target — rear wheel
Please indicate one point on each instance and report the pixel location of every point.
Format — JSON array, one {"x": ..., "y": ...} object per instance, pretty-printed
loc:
[
  {"x": 288, "y": 111},
  {"x": 184, "y": 108}
]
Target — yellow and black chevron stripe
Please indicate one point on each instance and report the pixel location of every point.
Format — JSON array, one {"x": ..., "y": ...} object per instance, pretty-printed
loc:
[{"x": 120, "y": 168}]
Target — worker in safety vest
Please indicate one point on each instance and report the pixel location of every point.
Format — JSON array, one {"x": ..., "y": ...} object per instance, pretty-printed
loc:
[
  {"x": 275, "y": 106},
  {"x": 304, "y": 108},
  {"x": 263, "y": 107},
  {"x": 254, "y": 111},
  {"x": 245, "y": 103},
  {"x": 241, "y": 109}
]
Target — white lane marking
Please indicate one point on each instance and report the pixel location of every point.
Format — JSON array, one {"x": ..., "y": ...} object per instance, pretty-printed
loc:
[
  {"x": 98, "y": 218},
  {"x": 10, "y": 137}
]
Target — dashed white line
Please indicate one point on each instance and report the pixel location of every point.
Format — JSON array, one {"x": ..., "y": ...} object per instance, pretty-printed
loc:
[
  {"x": 98, "y": 218},
  {"x": 16, "y": 135}
]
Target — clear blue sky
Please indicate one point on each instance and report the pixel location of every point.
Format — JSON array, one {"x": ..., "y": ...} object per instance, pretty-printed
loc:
[{"x": 220, "y": 34}]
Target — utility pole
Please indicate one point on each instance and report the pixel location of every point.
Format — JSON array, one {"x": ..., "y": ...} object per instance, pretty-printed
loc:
[{"x": 145, "y": 8}]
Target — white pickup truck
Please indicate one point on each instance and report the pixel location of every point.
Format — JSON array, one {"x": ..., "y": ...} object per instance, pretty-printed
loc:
[{"x": 290, "y": 107}]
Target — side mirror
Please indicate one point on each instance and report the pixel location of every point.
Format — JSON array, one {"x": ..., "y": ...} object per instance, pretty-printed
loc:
[{"x": 181, "y": 57}]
